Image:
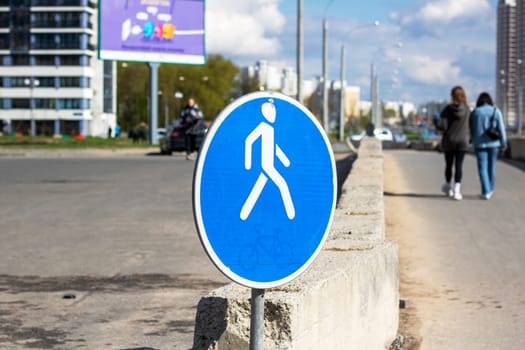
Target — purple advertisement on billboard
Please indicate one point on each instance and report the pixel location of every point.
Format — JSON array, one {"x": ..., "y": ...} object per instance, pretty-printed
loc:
[{"x": 164, "y": 31}]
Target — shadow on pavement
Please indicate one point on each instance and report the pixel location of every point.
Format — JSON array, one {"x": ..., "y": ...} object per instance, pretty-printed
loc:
[
  {"x": 118, "y": 283},
  {"x": 149, "y": 154},
  {"x": 343, "y": 167},
  {"x": 416, "y": 195},
  {"x": 520, "y": 164},
  {"x": 437, "y": 196}
]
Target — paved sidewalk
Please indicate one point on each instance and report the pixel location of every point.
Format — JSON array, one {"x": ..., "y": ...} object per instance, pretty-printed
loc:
[{"x": 461, "y": 262}]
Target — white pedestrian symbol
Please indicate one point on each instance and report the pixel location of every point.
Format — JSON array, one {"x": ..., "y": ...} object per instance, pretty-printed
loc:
[{"x": 269, "y": 149}]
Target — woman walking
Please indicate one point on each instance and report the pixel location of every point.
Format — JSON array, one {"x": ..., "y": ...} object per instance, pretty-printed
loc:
[
  {"x": 454, "y": 122},
  {"x": 484, "y": 116}
]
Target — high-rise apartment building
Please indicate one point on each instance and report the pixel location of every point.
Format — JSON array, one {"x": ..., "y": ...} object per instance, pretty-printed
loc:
[
  {"x": 520, "y": 59},
  {"x": 51, "y": 81},
  {"x": 506, "y": 61}
]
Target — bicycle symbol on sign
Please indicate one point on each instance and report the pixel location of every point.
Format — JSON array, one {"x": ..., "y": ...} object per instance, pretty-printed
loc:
[{"x": 266, "y": 248}]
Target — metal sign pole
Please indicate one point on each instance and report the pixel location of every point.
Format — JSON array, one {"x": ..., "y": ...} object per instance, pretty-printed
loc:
[
  {"x": 257, "y": 319},
  {"x": 153, "y": 101}
]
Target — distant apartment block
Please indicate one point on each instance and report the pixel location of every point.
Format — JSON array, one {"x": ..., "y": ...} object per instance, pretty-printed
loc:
[
  {"x": 51, "y": 81},
  {"x": 520, "y": 30},
  {"x": 507, "y": 58},
  {"x": 271, "y": 77}
]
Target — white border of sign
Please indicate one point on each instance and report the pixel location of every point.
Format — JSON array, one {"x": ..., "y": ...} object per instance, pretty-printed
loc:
[{"x": 197, "y": 191}]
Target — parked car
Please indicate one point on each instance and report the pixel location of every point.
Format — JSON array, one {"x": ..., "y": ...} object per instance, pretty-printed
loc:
[
  {"x": 358, "y": 137},
  {"x": 161, "y": 132},
  {"x": 382, "y": 134},
  {"x": 399, "y": 137},
  {"x": 174, "y": 139}
]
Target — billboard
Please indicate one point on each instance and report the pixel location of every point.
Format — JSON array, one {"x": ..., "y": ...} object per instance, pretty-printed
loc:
[{"x": 164, "y": 31}]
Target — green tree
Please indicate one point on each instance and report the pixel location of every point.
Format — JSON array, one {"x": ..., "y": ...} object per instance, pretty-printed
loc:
[
  {"x": 132, "y": 87},
  {"x": 212, "y": 85},
  {"x": 314, "y": 104},
  {"x": 249, "y": 84},
  {"x": 390, "y": 112}
]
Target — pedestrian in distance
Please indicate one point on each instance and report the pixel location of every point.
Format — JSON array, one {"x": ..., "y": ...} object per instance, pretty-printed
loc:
[
  {"x": 453, "y": 121},
  {"x": 486, "y": 147},
  {"x": 190, "y": 116},
  {"x": 117, "y": 131}
]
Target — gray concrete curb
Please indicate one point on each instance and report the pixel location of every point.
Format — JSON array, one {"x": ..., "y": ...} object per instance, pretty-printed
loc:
[{"x": 347, "y": 299}]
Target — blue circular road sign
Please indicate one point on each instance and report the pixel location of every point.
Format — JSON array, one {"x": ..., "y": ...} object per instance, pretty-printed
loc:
[{"x": 264, "y": 190}]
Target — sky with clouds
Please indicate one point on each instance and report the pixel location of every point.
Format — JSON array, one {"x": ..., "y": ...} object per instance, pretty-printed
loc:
[{"x": 443, "y": 42}]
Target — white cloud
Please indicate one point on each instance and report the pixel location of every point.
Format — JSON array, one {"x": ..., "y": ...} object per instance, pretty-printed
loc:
[
  {"x": 427, "y": 70},
  {"x": 448, "y": 10},
  {"x": 247, "y": 31},
  {"x": 247, "y": 28}
]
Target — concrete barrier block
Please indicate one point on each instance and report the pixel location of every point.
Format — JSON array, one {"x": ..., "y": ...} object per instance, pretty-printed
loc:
[
  {"x": 370, "y": 147},
  {"x": 357, "y": 179},
  {"x": 347, "y": 299},
  {"x": 428, "y": 145},
  {"x": 362, "y": 201},
  {"x": 369, "y": 167},
  {"x": 352, "y": 226},
  {"x": 517, "y": 147}
]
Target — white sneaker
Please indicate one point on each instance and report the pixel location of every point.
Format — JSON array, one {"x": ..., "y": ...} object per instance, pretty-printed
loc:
[
  {"x": 487, "y": 196},
  {"x": 457, "y": 196}
]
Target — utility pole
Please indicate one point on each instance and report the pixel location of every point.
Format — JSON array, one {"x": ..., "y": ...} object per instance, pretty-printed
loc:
[
  {"x": 372, "y": 94},
  {"x": 325, "y": 78},
  {"x": 519, "y": 106},
  {"x": 342, "y": 97},
  {"x": 299, "y": 50}
]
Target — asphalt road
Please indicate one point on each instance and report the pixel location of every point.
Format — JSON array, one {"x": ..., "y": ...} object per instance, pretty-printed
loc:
[
  {"x": 101, "y": 252},
  {"x": 118, "y": 233},
  {"x": 461, "y": 262}
]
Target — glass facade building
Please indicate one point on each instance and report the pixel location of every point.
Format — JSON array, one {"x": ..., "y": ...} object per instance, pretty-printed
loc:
[{"x": 51, "y": 81}]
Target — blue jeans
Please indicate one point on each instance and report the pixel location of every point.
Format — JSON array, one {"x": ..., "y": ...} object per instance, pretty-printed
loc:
[{"x": 486, "y": 158}]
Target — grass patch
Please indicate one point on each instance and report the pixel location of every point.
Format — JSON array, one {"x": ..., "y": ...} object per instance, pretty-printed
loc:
[
  {"x": 412, "y": 136},
  {"x": 71, "y": 143}
]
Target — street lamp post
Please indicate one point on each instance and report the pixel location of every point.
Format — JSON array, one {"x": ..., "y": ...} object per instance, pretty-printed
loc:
[
  {"x": 342, "y": 90},
  {"x": 299, "y": 50},
  {"x": 520, "y": 99},
  {"x": 178, "y": 95},
  {"x": 31, "y": 82},
  {"x": 164, "y": 101},
  {"x": 373, "y": 95},
  {"x": 325, "y": 73},
  {"x": 342, "y": 97},
  {"x": 324, "y": 85},
  {"x": 376, "y": 114},
  {"x": 503, "y": 95}
]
